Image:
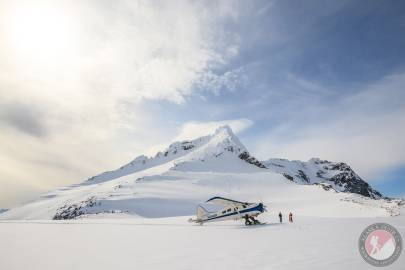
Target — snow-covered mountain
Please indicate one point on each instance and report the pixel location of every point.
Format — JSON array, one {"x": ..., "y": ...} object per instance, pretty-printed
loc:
[
  {"x": 194, "y": 154},
  {"x": 175, "y": 180},
  {"x": 338, "y": 176}
]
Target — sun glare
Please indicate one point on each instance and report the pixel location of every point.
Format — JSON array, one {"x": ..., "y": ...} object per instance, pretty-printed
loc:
[{"x": 40, "y": 33}]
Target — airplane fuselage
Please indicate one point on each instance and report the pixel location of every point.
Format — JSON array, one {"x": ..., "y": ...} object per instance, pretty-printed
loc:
[{"x": 233, "y": 213}]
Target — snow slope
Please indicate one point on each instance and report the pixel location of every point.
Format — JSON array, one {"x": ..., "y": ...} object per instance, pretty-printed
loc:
[{"x": 187, "y": 173}]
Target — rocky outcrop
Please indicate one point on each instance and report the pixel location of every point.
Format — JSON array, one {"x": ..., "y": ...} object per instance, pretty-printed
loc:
[
  {"x": 250, "y": 159},
  {"x": 75, "y": 210},
  {"x": 336, "y": 175}
]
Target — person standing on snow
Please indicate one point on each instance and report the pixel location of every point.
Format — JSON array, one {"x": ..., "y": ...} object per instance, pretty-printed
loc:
[
  {"x": 290, "y": 218},
  {"x": 280, "y": 217}
]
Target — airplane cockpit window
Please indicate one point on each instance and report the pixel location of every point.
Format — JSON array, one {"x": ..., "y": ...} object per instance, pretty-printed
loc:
[{"x": 229, "y": 210}]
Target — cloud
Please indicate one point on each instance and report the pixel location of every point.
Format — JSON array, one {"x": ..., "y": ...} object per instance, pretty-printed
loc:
[
  {"x": 133, "y": 49},
  {"x": 194, "y": 129},
  {"x": 157, "y": 50},
  {"x": 364, "y": 129},
  {"x": 217, "y": 83},
  {"x": 23, "y": 117},
  {"x": 86, "y": 98}
]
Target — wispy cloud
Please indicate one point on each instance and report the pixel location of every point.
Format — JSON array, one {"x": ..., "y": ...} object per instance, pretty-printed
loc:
[
  {"x": 84, "y": 99},
  {"x": 217, "y": 83},
  {"x": 26, "y": 118},
  {"x": 364, "y": 129},
  {"x": 194, "y": 129}
]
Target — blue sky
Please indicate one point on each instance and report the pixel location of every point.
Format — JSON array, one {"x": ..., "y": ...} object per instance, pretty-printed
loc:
[{"x": 296, "y": 79}]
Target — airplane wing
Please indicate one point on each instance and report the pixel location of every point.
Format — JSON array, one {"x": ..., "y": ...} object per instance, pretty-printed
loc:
[{"x": 225, "y": 202}]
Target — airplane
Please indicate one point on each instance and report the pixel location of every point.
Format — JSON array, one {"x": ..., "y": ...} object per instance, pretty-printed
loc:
[{"x": 231, "y": 210}]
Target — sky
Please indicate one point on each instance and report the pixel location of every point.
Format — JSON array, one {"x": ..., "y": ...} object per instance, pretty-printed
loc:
[{"x": 86, "y": 86}]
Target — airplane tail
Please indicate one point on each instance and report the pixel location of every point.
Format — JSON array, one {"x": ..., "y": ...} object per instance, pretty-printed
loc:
[{"x": 201, "y": 212}]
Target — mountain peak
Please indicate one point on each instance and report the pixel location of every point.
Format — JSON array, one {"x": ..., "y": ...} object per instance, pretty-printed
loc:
[
  {"x": 222, "y": 141},
  {"x": 226, "y": 135},
  {"x": 224, "y": 129}
]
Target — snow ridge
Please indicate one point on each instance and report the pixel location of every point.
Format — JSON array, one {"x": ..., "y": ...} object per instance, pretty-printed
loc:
[
  {"x": 336, "y": 175},
  {"x": 223, "y": 140},
  {"x": 142, "y": 162}
]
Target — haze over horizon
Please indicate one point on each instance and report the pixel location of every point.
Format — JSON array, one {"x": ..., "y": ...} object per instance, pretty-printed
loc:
[{"x": 86, "y": 87}]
